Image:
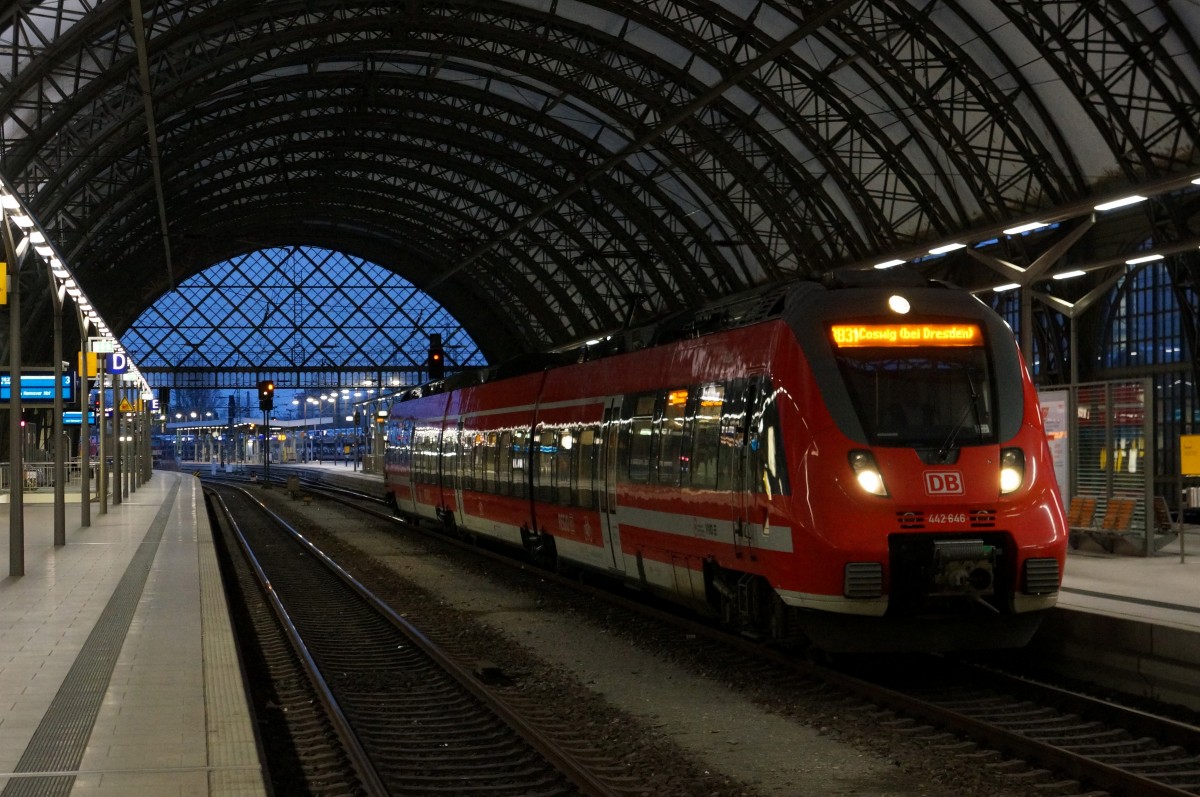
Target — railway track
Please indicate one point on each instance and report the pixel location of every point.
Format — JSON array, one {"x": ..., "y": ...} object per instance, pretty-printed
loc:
[
  {"x": 1066, "y": 740},
  {"x": 399, "y": 715},
  {"x": 1057, "y": 741}
]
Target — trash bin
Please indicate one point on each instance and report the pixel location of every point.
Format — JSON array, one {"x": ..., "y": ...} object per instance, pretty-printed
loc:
[{"x": 293, "y": 486}]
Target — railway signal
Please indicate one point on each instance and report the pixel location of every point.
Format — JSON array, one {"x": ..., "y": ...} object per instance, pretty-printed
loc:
[
  {"x": 437, "y": 358},
  {"x": 266, "y": 395}
]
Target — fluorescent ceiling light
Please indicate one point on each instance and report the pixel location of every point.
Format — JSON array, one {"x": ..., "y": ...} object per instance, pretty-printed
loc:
[
  {"x": 1011, "y": 286},
  {"x": 1066, "y": 275},
  {"x": 941, "y": 250},
  {"x": 1028, "y": 227},
  {"x": 1143, "y": 259},
  {"x": 890, "y": 263},
  {"x": 1122, "y": 202}
]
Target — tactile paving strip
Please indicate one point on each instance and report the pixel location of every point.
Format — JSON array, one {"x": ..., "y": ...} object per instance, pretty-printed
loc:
[{"x": 58, "y": 744}]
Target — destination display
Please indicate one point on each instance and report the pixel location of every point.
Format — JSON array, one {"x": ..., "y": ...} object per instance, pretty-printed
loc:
[
  {"x": 37, "y": 387},
  {"x": 885, "y": 335},
  {"x": 76, "y": 418}
]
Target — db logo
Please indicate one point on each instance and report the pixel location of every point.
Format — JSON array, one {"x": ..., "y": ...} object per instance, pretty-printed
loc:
[{"x": 943, "y": 482}]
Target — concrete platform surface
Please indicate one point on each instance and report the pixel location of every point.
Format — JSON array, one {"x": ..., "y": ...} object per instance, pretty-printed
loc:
[{"x": 118, "y": 672}]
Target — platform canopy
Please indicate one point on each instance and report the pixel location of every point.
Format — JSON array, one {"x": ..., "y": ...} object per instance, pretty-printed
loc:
[{"x": 550, "y": 170}]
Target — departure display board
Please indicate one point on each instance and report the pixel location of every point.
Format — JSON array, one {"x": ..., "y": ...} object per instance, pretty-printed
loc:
[{"x": 37, "y": 388}]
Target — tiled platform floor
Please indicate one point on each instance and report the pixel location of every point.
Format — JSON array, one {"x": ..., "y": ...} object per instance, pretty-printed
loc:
[{"x": 118, "y": 674}]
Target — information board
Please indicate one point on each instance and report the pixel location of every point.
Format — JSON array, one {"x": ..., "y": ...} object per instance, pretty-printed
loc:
[
  {"x": 76, "y": 418},
  {"x": 37, "y": 388}
]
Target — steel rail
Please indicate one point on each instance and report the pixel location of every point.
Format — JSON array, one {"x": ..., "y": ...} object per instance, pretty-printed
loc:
[
  {"x": 365, "y": 770},
  {"x": 1081, "y": 767},
  {"x": 567, "y": 765}
]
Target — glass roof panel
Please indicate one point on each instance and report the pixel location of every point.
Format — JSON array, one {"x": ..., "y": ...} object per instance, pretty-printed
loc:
[{"x": 296, "y": 308}]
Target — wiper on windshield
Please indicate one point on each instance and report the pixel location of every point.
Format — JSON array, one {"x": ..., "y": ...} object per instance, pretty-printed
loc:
[{"x": 944, "y": 450}]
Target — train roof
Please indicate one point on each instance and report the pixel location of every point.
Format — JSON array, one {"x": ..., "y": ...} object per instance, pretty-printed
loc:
[{"x": 750, "y": 307}]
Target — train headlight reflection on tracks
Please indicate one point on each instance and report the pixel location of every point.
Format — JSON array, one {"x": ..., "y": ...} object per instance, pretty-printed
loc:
[
  {"x": 1012, "y": 469},
  {"x": 867, "y": 472}
]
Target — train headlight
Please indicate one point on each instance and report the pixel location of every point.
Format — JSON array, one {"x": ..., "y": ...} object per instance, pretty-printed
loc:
[
  {"x": 1012, "y": 469},
  {"x": 867, "y": 472}
]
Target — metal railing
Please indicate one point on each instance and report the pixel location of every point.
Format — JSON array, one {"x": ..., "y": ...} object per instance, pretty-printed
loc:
[{"x": 40, "y": 475}]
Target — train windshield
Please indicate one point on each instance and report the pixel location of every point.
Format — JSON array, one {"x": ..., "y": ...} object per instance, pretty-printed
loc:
[{"x": 920, "y": 395}]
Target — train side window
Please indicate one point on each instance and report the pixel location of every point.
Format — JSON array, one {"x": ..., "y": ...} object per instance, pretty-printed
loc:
[
  {"x": 564, "y": 455},
  {"x": 433, "y": 441},
  {"x": 670, "y": 437},
  {"x": 400, "y": 444},
  {"x": 425, "y": 440},
  {"x": 768, "y": 464},
  {"x": 417, "y": 457},
  {"x": 706, "y": 436},
  {"x": 407, "y": 435},
  {"x": 585, "y": 467},
  {"x": 475, "y": 466},
  {"x": 484, "y": 459},
  {"x": 447, "y": 463},
  {"x": 639, "y": 447},
  {"x": 504, "y": 463},
  {"x": 410, "y": 452},
  {"x": 418, "y": 465},
  {"x": 470, "y": 447},
  {"x": 732, "y": 434},
  {"x": 544, "y": 451},
  {"x": 518, "y": 453}
]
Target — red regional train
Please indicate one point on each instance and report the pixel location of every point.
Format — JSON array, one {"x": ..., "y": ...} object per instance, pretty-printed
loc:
[{"x": 853, "y": 465}]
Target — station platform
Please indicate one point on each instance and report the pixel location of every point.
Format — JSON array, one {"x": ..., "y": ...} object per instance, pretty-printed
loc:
[
  {"x": 118, "y": 671},
  {"x": 1129, "y": 623}
]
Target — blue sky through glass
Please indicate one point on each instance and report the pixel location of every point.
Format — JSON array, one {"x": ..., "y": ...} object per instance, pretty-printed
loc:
[
  {"x": 288, "y": 309},
  {"x": 295, "y": 307}
]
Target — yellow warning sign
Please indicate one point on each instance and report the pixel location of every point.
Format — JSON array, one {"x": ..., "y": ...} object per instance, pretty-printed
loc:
[
  {"x": 1189, "y": 454},
  {"x": 126, "y": 406}
]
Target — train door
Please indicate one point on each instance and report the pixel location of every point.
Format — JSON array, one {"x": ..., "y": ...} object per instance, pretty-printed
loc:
[
  {"x": 607, "y": 476},
  {"x": 459, "y": 465},
  {"x": 447, "y": 469},
  {"x": 736, "y": 441},
  {"x": 409, "y": 460}
]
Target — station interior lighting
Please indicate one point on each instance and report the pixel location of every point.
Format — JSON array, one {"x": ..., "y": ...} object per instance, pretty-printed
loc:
[
  {"x": 1077, "y": 210},
  {"x": 33, "y": 235}
]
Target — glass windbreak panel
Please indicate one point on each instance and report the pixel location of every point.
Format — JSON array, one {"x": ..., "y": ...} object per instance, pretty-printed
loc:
[{"x": 935, "y": 396}]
